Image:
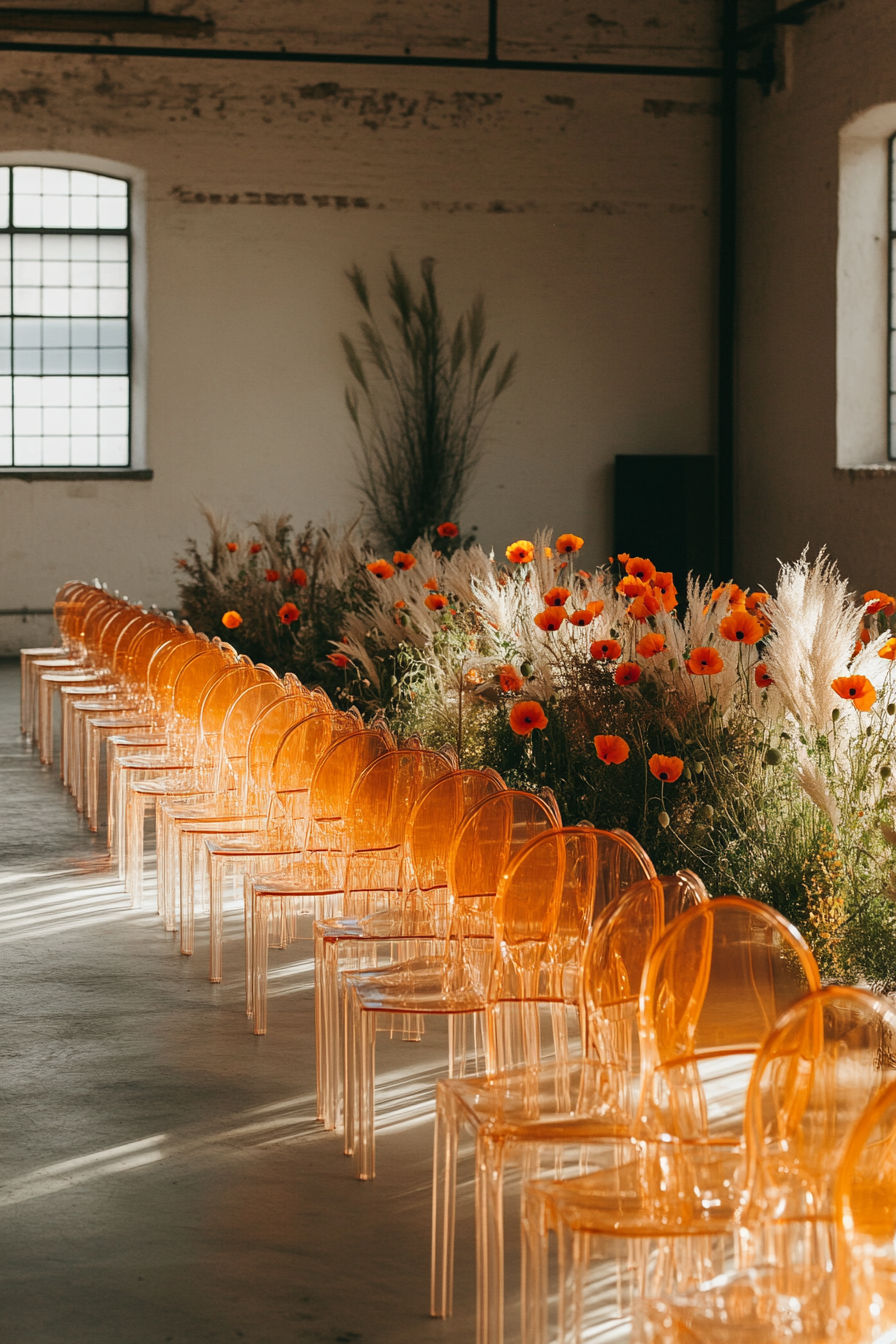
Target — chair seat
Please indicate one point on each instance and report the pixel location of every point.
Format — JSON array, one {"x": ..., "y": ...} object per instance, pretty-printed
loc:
[
  {"x": 421, "y": 985},
  {"x": 570, "y": 1101}
]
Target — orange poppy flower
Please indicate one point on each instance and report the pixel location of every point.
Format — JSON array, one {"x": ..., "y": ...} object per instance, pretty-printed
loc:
[
  {"x": 556, "y": 597},
  {"x": 431, "y": 584},
  {"x": 754, "y": 601},
  {"x": 623, "y": 557},
  {"x": 665, "y": 589},
  {"x": 231, "y": 619},
  {"x": 399, "y": 604},
  {"x": 288, "y": 613},
  {"x": 736, "y": 596},
  {"x": 856, "y": 689},
  {"x": 550, "y": 619},
  {"x": 704, "y": 662},
  {"x": 642, "y": 607},
  {"x": 640, "y": 568},
  {"x": 741, "y": 628},
  {"x": 521, "y": 552},
  {"x": 888, "y": 650},
  {"x": 526, "y": 715},
  {"x": 580, "y": 617},
  {"x": 650, "y": 645},
  {"x": 404, "y": 560},
  {"x": 447, "y": 529},
  {"x": 875, "y": 601},
  {"x": 299, "y": 577},
  {"x": 761, "y": 676},
  {"x": 626, "y": 674},
  {"x": 436, "y": 602},
  {"x": 610, "y": 649},
  {"x": 272, "y": 575},
  {"x": 631, "y": 587},
  {"x": 595, "y": 607},
  {"x": 864, "y": 637},
  {"x": 381, "y": 569},
  {"x": 338, "y": 659},
  {"x": 232, "y": 546},
  {"x": 665, "y": 768},
  {"x": 255, "y": 548},
  {"x": 510, "y": 679},
  {"x": 612, "y": 750},
  {"x": 474, "y": 677},
  {"x": 568, "y": 542}
]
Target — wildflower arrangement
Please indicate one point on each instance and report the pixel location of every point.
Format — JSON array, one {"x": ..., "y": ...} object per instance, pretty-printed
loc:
[
  {"x": 746, "y": 735},
  {"x": 280, "y": 595}
]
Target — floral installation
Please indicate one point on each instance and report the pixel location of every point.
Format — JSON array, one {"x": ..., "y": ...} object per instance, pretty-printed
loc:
[{"x": 746, "y": 735}]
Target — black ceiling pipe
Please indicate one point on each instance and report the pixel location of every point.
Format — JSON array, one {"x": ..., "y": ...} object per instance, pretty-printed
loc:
[{"x": 727, "y": 295}]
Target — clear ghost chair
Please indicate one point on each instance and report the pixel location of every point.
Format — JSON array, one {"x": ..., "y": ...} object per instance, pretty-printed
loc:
[
  {"x": 536, "y": 1112},
  {"x": 662, "y": 1212},
  {"x": 453, "y": 984},
  {"x": 352, "y": 941},
  {"x": 316, "y": 765},
  {"x": 801, "y": 1276},
  {"x": 368, "y": 876}
]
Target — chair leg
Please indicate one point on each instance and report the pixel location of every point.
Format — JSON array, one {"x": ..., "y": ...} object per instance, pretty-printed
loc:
[
  {"x": 489, "y": 1240},
  {"x": 187, "y": 878},
  {"x": 365, "y": 1092},
  {"x": 266, "y": 911},
  {"x": 135, "y": 814},
  {"x": 444, "y": 1180},
  {"x": 534, "y": 1301},
  {"x": 249, "y": 924},
  {"x": 326, "y": 1026},
  {"x": 215, "y": 921}
]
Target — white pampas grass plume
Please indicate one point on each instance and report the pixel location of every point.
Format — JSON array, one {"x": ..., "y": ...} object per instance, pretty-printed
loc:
[
  {"x": 814, "y": 623},
  {"x": 815, "y": 786}
]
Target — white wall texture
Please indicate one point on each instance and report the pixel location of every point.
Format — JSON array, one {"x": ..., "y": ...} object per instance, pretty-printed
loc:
[
  {"x": 792, "y": 493},
  {"x": 581, "y": 206}
]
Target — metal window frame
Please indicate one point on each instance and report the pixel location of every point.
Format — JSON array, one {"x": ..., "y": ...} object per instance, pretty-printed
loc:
[
  {"x": 891, "y": 306},
  {"x": 11, "y": 230}
]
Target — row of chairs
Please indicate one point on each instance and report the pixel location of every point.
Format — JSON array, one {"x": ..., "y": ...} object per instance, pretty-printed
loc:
[{"x": 684, "y": 1104}]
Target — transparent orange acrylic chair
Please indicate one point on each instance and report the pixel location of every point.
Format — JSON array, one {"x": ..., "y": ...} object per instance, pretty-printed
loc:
[
  {"x": 227, "y": 809},
  {"x": 242, "y": 810},
  {"x": 315, "y": 768},
  {"x": 51, "y": 674},
  {"x": 192, "y": 756},
  {"x": 113, "y": 631},
  {"x": 371, "y": 872},
  {"x": 141, "y": 751},
  {"x": 137, "y": 718},
  {"x": 206, "y": 773},
  {"x": 64, "y": 602},
  {"x": 662, "y": 1212},
  {"x": 357, "y": 939},
  {"x": 116, "y": 694},
  {"x": 865, "y": 1216},
  {"x": 800, "y": 1276},
  {"x": 536, "y": 1112},
  {"x": 454, "y": 983}
]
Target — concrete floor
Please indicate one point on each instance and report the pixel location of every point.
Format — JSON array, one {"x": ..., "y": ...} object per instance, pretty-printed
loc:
[{"x": 162, "y": 1174}]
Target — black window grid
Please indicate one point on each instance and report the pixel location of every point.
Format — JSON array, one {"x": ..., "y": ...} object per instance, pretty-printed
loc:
[
  {"x": 11, "y": 230},
  {"x": 891, "y": 301}
]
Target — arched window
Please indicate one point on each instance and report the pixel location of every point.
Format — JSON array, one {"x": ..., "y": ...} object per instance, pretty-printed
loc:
[{"x": 65, "y": 340}]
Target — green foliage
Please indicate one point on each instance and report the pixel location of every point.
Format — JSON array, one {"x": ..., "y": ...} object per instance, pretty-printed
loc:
[
  {"x": 220, "y": 580},
  {"x": 419, "y": 405}
]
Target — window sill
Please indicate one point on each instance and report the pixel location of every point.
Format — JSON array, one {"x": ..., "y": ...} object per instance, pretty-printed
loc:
[
  {"x": 78, "y": 474},
  {"x": 865, "y": 471}
]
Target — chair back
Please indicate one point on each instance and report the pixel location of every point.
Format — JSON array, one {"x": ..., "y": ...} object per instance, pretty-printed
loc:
[
  {"x": 268, "y": 731},
  {"x": 435, "y": 818},
  {"x": 297, "y": 757},
  {"x": 865, "y": 1217},
  {"x": 488, "y": 837},
  {"x": 826, "y": 1060},
  {"x": 236, "y": 730},
  {"x": 385, "y": 793},
  {"x": 715, "y": 984},
  {"x": 333, "y": 780}
]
